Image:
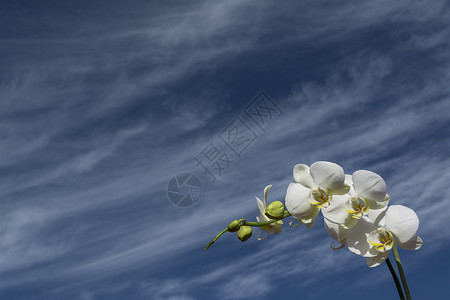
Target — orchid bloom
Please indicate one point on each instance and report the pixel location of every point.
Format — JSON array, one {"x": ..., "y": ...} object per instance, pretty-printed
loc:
[
  {"x": 313, "y": 189},
  {"x": 374, "y": 235},
  {"x": 367, "y": 192},
  {"x": 276, "y": 226}
]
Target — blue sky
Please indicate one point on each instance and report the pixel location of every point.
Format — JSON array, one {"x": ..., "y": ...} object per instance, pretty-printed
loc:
[{"x": 103, "y": 102}]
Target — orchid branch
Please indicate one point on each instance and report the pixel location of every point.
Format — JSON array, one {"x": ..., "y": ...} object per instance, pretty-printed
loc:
[
  {"x": 401, "y": 272},
  {"x": 395, "y": 277},
  {"x": 245, "y": 223}
]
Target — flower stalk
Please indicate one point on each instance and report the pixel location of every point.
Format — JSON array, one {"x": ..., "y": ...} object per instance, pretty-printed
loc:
[
  {"x": 401, "y": 272},
  {"x": 245, "y": 223},
  {"x": 395, "y": 277}
]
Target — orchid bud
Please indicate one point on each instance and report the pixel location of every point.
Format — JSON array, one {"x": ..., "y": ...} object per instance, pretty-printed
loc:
[
  {"x": 275, "y": 210},
  {"x": 234, "y": 226},
  {"x": 244, "y": 233}
]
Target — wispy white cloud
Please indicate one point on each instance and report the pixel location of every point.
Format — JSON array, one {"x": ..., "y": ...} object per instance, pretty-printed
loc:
[
  {"x": 110, "y": 185},
  {"x": 245, "y": 286}
]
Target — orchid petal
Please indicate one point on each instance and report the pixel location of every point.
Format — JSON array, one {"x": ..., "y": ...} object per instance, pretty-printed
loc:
[
  {"x": 349, "y": 182},
  {"x": 298, "y": 201},
  {"x": 348, "y": 179},
  {"x": 413, "y": 244},
  {"x": 350, "y": 223},
  {"x": 261, "y": 206},
  {"x": 377, "y": 260},
  {"x": 341, "y": 191},
  {"x": 335, "y": 230},
  {"x": 328, "y": 174},
  {"x": 357, "y": 238},
  {"x": 377, "y": 216},
  {"x": 266, "y": 190},
  {"x": 337, "y": 212},
  {"x": 369, "y": 185},
  {"x": 262, "y": 218},
  {"x": 378, "y": 204},
  {"x": 277, "y": 228},
  {"x": 402, "y": 222},
  {"x": 302, "y": 176},
  {"x": 309, "y": 220}
]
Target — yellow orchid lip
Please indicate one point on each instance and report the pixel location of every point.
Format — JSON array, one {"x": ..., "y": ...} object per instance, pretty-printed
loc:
[
  {"x": 359, "y": 207},
  {"x": 321, "y": 196},
  {"x": 381, "y": 239},
  {"x": 378, "y": 246}
]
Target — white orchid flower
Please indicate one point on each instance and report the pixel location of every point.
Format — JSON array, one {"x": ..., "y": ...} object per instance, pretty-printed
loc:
[
  {"x": 313, "y": 189},
  {"x": 367, "y": 192},
  {"x": 374, "y": 235},
  {"x": 276, "y": 226}
]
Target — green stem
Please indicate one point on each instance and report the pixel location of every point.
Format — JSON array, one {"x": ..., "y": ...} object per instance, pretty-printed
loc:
[
  {"x": 216, "y": 238},
  {"x": 261, "y": 224},
  {"x": 397, "y": 282},
  {"x": 401, "y": 272},
  {"x": 245, "y": 223}
]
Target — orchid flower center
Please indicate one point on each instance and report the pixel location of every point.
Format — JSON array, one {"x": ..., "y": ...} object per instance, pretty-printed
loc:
[
  {"x": 381, "y": 239},
  {"x": 322, "y": 197},
  {"x": 357, "y": 207}
]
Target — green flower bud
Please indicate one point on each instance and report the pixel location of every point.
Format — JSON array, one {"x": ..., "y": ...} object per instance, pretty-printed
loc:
[
  {"x": 275, "y": 210},
  {"x": 244, "y": 233},
  {"x": 234, "y": 226}
]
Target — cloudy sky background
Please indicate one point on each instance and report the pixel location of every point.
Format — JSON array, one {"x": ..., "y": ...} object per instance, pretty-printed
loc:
[{"x": 102, "y": 102}]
